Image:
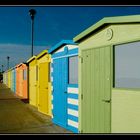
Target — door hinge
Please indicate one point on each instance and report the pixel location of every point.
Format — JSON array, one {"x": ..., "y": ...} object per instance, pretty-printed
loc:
[
  {"x": 81, "y": 131},
  {"x": 81, "y": 59},
  {"x": 82, "y": 96}
]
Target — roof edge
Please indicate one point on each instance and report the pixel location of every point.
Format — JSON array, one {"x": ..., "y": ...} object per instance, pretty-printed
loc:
[
  {"x": 42, "y": 54},
  {"x": 107, "y": 20},
  {"x": 31, "y": 59},
  {"x": 61, "y": 43}
]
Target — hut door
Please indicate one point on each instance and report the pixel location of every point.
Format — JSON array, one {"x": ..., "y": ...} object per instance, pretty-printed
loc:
[
  {"x": 59, "y": 91},
  {"x": 96, "y": 90},
  {"x": 24, "y": 83},
  {"x": 32, "y": 84},
  {"x": 14, "y": 81},
  {"x": 20, "y": 82},
  {"x": 43, "y": 88},
  {"x": 17, "y": 80}
]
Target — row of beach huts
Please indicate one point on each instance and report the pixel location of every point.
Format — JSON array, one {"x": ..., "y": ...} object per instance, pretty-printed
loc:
[{"x": 74, "y": 82}]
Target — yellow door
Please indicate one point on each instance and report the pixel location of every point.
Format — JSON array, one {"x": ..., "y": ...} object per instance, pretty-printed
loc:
[
  {"x": 32, "y": 86},
  {"x": 9, "y": 79},
  {"x": 43, "y": 105}
]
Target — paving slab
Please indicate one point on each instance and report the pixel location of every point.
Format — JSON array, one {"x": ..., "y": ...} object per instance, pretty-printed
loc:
[{"x": 19, "y": 117}]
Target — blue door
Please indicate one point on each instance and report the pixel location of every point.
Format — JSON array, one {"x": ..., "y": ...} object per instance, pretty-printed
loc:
[{"x": 60, "y": 91}]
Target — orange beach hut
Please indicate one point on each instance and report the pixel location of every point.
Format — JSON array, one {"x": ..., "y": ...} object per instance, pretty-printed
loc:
[{"x": 22, "y": 80}]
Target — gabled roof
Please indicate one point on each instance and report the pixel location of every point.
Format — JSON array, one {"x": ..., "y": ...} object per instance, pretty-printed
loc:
[
  {"x": 42, "y": 54},
  {"x": 9, "y": 70},
  {"x": 31, "y": 59},
  {"x": 60, "y": 44},
  {"x": 18, "y": 65},
  {"x": 105, "y": 21},
  {"x": 13, "y": 68}
]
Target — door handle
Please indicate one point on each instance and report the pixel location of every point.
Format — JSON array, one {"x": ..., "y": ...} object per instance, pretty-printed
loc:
[
  {"x": 107, "y": 101},
  {"x": 65, "y": 91}
]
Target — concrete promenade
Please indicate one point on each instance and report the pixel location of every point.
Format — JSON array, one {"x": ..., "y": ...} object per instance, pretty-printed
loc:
[{"x": 19, "y": 117}]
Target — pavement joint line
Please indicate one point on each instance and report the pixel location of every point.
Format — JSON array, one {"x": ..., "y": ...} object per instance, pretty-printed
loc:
[
  {"x": 27, "y": 127},
  {"x": 9, "y": 99},
  {"x": 41, "y": 122}
]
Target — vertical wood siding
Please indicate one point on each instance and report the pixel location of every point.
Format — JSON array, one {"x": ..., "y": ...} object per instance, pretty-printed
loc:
[{"x": 96, "y": 82}]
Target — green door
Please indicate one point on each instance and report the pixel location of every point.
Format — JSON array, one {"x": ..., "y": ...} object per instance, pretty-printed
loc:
[{"x": 96, "y": 90}]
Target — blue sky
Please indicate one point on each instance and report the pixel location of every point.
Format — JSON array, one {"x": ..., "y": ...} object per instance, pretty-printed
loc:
[{"x": 52, "y": 24}]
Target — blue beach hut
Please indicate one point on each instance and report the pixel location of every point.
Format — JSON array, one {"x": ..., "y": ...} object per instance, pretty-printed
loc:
[{"x": 64, "y": 78}]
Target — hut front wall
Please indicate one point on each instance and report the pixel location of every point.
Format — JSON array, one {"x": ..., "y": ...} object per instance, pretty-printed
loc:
[
  {"x": 125, "y": 105},
  {"x": 8, "y": 79},
  {"x": 121, "y": 33},
  {"x": 12, "y": 80},
  {"x": 4, "y": 78},
  {"x": 24, "y": 81},
  {"x": 4, "y": 81},
  {"x": 20, "y": 82},
  {"x": 32, "y": 83},
  {"x": 17, "y": 81},
  {"x": 125, "y": 111},
  {"x": 72, "y": 105},
  {"x": 45, "y": 59}
]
